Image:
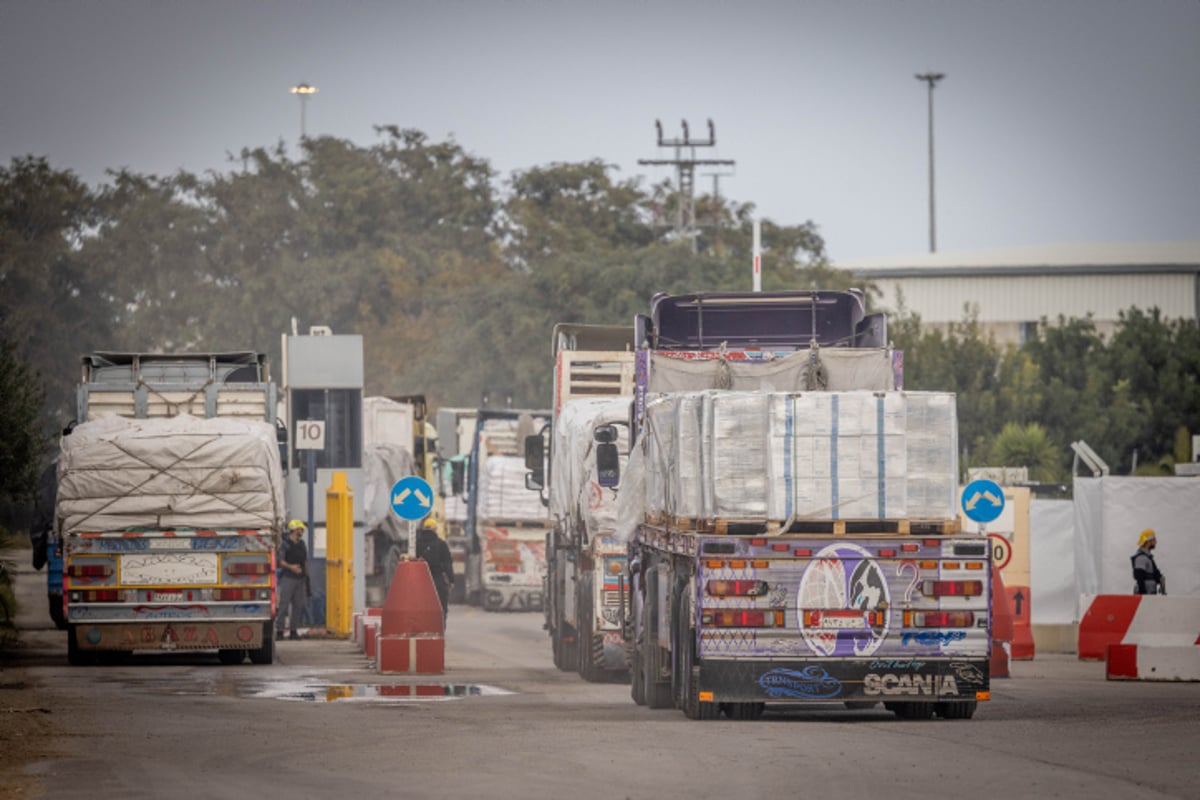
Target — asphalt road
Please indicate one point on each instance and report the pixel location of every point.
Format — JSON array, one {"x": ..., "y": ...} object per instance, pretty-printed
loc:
[{"x": 321, "y": 722}]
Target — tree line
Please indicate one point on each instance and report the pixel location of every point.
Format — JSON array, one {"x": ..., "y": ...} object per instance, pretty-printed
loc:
[{"x": 455, "y": 275}]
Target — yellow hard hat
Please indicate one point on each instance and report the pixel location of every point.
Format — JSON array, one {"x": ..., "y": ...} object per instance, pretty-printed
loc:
[
  {"x": 1147, "y": 536},
  {"x": 430, "y": 523},
  {"x": 297, "y": 525}
]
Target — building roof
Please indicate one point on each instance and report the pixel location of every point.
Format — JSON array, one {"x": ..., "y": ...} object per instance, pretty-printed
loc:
[{"x": 1091, "y": 258}]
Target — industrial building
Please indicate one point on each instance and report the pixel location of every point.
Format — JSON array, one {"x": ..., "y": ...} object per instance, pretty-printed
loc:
[{"x": 1012, "y": 290}]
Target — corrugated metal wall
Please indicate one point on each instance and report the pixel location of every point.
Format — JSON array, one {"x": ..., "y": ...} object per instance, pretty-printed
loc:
[{"x": 1007, "y": 301}]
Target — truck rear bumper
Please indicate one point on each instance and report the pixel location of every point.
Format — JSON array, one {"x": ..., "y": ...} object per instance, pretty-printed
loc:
[
  {"x": 804, "y": 682},
  {"x": 170, "y": 636}
]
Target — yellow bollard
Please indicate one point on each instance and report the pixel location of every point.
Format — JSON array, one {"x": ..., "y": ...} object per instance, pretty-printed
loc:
[{"x": 339, "y": 558}]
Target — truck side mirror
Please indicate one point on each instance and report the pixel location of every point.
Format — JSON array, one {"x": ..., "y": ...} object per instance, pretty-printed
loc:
[
  {"x": 281, "y": 438},
  {"x": 457, "y": 477},
  {"x": 608, "y": 458},
  {"x": 535, "y": 462}
]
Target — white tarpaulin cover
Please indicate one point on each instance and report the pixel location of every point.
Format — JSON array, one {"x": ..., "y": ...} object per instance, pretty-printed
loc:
[
  {"x": 116, "y": 473},
  {"x": 383, "y": 465},
  {"x": 574, "y": 490},
  {"x": 835, "y": 369},
  {"x": 1111, "y": 511},
  {"x": 1052, "y": 562}
]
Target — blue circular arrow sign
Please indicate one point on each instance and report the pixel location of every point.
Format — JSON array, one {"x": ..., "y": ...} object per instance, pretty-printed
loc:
[
  {"x": 412, "y": 498},
  {"x": 982, "y": 500}
]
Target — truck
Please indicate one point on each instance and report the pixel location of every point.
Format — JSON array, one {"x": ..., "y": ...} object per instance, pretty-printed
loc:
[
  {"x": 505, "y": 523},
  {"x": 790, "y": 516},
  {"x": 170, "y": 506},
  {"x": 593, "y": 398},
  {"x": 455, "y": 430}
]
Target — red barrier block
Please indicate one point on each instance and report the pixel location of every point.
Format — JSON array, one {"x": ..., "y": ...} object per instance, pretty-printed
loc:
[
  {"x": 1105, "y": 622},
  {"x": 419, "y": 655},
  {"x": 1121, "y": 661},
  {"x": 1022, "y": 647},
  {"x": 370, "y": 635}
]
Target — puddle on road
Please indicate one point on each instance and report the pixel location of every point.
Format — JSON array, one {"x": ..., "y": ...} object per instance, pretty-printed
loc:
[{"x": 373, "y": 692}]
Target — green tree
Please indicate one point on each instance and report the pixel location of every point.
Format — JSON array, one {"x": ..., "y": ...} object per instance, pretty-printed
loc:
[
  {"x": 22, "y": 441},
  {"x": 1028, "y": 446}
]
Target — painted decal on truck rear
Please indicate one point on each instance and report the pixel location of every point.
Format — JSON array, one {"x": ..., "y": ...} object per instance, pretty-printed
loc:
[{"x": 843, "y": 577}]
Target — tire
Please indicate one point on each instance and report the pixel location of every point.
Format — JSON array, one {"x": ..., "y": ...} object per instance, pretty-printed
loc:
[
  {"x": 858, "y": 705},
  {"x": 565, "y": 649},
  {"x": 266, "y": 653},
  {"x": 914, "y": 711},
  {"x": 55, "y": 603},
  {"x": 687, "y": 693},
  {"x": 956, "y": 709},
  {"x": 591, "y": 667},
  {"x": 658, "y": 694},
  {"x": 76, "y": 656},
  {"x": 743, "y": 712},
  {"x": 231, "y": 657}
]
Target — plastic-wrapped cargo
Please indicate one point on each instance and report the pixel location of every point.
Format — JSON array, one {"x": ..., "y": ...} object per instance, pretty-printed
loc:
[
  {"x": 116, "y": 473},
  {"x": 812, "y": 455},
  {"x": 502, "y": 492},
  {"x": 575, "y": 491},
  {"x": 383, "y": 465}
]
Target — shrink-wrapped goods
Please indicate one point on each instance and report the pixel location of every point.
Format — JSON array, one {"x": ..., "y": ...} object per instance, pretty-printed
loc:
[
  {"x": 502, "y": 492},
  {"x": 575, "y": 492},
  {"x": 802, "y": 456}
]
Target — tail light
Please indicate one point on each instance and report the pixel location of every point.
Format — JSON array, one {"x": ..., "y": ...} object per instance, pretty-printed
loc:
[
  {"x": 736, "y": 588},
  {"x": 90, "y": 571},
  {"x": 952, "y": 588},
  {"x": 742, "y": 618},
  {"x": 939, "y": 619},
  {"x": 248, "y": 568}
]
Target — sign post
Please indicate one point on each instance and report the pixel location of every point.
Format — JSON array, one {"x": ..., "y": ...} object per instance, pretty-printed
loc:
[
  {"x": 310, "y": 437},
  {"x": 412, "y": 500}
]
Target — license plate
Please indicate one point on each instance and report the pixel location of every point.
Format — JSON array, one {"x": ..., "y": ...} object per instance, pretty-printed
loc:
[{"x": 167, "y": 597}]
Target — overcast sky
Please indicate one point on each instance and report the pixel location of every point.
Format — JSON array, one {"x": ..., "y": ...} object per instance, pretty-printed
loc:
[{"x": 1059, "y": 121}]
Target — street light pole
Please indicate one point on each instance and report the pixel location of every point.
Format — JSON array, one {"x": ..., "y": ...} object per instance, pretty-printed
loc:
[
  {"x": 931, "y": 78},
  {"x": 303, "y": 91}
]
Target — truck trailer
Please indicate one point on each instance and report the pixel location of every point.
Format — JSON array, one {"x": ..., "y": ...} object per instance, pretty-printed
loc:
[
  {"x": 170, "y": 506},
  {"x": 790, "y": 516}
]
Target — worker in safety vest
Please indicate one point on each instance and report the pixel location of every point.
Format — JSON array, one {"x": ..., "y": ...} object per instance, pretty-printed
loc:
[{"x": 1147, "y": 578}]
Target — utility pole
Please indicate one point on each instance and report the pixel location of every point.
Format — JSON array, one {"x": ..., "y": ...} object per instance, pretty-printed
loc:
[
  {"x": 685, "y": 163},
  {"x": 303, "y": 91},
  {"x": 931, "y": 78}
]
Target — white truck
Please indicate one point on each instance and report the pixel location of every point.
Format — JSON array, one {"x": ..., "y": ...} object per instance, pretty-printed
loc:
[
  {"x": 585, "y": 563},
  {"x": 506, "y": 524},
  {"x": 170, "y": 506}
]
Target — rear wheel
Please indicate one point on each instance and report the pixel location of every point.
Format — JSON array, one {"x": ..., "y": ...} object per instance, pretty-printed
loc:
[
  {"x": 658, "y": 692},
  {"x": 76, "y": 655},
  {"x": 920, "y": 710},
  {"x": 266, "y": 653},
  {"x": 688, "y": 693},
  {"x": 591, "y": 647},
  {"x": 55, "y": 603},
  {"x": 743, "y": 711},
  {"x": 956, "y": 709},
  {"x": 231, "y": 656}
]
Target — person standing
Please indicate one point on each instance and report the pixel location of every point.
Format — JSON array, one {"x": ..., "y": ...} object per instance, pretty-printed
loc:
[
  {"x": 1146, "y": 576},
  {"x": 436, "y": 553},
  {"x": 293, "y": 580}
]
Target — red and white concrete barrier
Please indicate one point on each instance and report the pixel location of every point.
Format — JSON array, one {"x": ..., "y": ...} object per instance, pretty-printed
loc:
[
  {"x": 411, "y": 631},
  {"x": 1153, "y": 663},
  {"x": 1130, "y": 619}
]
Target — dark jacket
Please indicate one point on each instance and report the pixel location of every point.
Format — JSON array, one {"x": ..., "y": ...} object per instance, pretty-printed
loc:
[
  {"x": 436, "y": 553},
  {"x": 1146, "y": 577},
  {"x": 294, "y": 553},
  {"x": 43, "y": 514}
]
